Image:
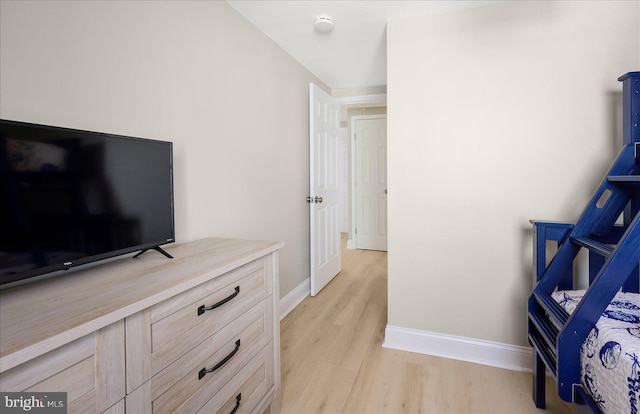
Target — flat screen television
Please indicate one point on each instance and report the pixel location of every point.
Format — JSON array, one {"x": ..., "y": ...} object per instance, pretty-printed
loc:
[{"x": 70, "y": 197}]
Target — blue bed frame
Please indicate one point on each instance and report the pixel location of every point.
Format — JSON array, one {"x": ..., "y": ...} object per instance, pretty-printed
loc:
[{"x": 614, "y": 255}]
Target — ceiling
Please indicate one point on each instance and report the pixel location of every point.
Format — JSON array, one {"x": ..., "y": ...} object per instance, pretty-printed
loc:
[{"x": 354, "y": 53}]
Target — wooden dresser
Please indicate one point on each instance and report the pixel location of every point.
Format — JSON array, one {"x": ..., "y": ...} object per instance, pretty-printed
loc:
[{"x": 197, "y": 333}]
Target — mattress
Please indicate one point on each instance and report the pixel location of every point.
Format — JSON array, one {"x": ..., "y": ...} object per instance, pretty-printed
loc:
[{"x": 610, "y": 356}]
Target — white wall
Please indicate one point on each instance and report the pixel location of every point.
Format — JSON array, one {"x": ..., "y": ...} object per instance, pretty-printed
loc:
[
  {"x": 192, "y": 72},
  {"x": 496, "y": 115}
]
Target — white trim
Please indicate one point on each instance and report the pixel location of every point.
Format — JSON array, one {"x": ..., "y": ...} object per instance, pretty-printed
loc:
[
  {"x": 293, "y": 298},
  {"x": 495, "y": 354},
  {"x": 345, "y": 100}
]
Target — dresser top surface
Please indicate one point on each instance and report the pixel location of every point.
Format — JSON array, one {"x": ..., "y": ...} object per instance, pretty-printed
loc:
[{"x": 43, "y": 315}]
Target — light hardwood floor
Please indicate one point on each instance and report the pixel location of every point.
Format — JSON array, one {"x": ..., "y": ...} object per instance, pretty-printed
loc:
[{"x": 333, "y": 360}]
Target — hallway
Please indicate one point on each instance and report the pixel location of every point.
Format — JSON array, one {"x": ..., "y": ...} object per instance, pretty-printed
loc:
[{"x": 333, "y": 360}]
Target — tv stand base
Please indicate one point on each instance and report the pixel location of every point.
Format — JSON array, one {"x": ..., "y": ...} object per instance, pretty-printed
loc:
[{"x": 158, "y": 249}]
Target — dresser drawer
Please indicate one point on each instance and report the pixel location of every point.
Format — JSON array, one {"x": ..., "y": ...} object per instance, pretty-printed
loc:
[
  {"x": 182, "y": 388},
  {"x": 182, "y": 322},
  {"x": 139, "y": 344},
  {"x": 72, "y": 368},
  {"x": 246, "y": 390}
]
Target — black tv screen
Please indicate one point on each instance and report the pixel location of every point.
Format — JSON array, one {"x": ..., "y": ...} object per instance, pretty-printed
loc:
[{"x": 70, "y": 197}]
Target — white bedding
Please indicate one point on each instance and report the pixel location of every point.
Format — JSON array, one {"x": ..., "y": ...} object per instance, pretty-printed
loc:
[{"x": 610, "y": 356}]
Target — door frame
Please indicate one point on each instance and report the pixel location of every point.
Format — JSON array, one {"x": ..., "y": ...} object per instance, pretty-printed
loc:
[
  {"x": 381, "y": 99},
  {"x": 354, "y": 199}
]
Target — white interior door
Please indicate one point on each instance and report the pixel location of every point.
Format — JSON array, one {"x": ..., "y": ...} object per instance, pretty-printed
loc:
[
  {"x": 324, "y": 127},
  {"x": 371, "y": 182}
]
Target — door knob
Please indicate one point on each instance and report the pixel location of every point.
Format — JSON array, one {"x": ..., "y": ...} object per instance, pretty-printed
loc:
[
  {"x": 318, "y": 199},
  {"x": 309, "y": 199}
]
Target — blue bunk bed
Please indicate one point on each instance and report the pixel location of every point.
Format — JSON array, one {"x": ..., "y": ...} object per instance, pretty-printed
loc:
[{"x": 568, "y": 329}]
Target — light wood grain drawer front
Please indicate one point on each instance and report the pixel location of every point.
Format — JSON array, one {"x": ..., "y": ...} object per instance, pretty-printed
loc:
[
  {"x": 181, "y": 323},
  {"x": 183, "y": 387},
  {"x": 118, "y": 408},
  {"x": 90, "y": 370},
  {"x": 247, "y": 388}
]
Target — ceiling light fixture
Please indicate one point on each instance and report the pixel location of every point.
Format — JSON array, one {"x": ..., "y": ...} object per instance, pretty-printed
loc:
[{"x": 323, "y": 23}]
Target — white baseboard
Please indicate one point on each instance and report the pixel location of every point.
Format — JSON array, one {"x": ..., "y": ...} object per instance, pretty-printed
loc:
[
  {"x": 495, "y": 354},
  {"x": 293, "y": 298}
]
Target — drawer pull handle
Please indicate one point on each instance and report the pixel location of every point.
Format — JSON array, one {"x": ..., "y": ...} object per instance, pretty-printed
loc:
[
  {"x": 238, "y": 398},
  {"x": 226, "y": 359},
  {"x": 202, "y": 309}
]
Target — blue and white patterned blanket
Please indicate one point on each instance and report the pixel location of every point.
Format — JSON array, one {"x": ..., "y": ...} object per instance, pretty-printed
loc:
[{"x": 610, "y": 356}]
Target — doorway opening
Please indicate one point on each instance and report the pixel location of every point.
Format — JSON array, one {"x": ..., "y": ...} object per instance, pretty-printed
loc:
[{"x": 352, "y": 109}]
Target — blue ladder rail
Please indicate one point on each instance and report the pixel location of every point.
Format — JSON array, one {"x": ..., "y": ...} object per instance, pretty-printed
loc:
[
  {"x": 557, "y": 336},
  {"x": 614, "y": 257}
]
